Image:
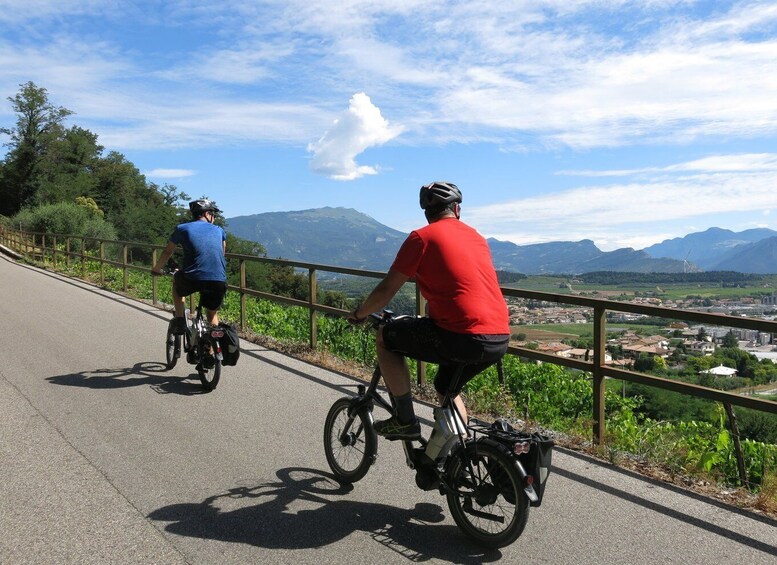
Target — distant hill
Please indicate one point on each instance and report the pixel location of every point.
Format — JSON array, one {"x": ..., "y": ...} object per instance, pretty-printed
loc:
[
  {"x": 632, "y": 261},
  {"x": 710, "y": 248},
  {"x": 572, "y": 257},
  {"x": 329, "y": 236},
  {"x": 348, "y": 238},
  {"x": 759, "y": 257},
  {"x": 554, "y": 257}
]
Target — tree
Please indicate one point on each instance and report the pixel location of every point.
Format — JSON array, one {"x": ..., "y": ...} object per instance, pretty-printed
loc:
[
  {"x": 257, "y": 273},
  {"x": 38, "y": 122},
  {"x": 730, "y": 340},
  {"x": 66, "y": 170},
  {"x": 645, "y": 363}
]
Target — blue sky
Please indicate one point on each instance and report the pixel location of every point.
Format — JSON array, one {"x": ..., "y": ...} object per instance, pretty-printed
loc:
[{"x": 623, "y": 122}]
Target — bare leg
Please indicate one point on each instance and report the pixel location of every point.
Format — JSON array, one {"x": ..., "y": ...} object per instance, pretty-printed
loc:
[
  {"x": 179, "y": 302},
  {"x": 212, "y": 316}
]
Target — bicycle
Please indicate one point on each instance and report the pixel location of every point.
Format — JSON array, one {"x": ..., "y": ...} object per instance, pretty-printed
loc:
[
  {"x": 202, "y": 345},
  {"x": 490, "y": 474}
]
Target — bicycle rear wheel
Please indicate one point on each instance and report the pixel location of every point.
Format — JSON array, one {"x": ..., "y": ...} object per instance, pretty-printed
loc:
[
  {"x": 487, "y": 500},
  {"x": 209, "y": 376},
  {"x": 350, "y": 443},
  {"x": 172, "y": 346}
]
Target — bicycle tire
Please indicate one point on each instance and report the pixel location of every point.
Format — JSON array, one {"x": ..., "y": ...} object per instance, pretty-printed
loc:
[
  {"x": 172, "y": 347},
  {"x": 351, "y": 455},
  {"x": 209, "y": 377},
  {"x": 489, "y": 505}
]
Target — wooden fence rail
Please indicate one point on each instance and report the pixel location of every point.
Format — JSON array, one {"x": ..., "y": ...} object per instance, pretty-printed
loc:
[{"x": 37, "y": 246}]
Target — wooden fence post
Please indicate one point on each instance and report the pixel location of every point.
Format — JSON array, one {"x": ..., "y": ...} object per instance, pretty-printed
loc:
[
  {"x": 598, "y": 380},
  {"x": 312, "y": 295},
  {"x": 153, "y": 278},
  {"x": 243, "y": 318},
  {"x": 102, "y": 263},
  {"x": 124, "y": 265},
  {"x": 732, "y": 422}
]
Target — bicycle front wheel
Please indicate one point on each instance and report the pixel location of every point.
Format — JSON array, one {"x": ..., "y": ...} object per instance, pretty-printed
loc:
[
  {"x": 350, "y": 442},
  {"x": 172, "y": 347},
  {"x": 487, "y": 499},
  {"x": 209, "y": 376}
]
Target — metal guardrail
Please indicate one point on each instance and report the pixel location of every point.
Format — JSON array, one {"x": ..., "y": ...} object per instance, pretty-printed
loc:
[{"x": 39, "y": 245}]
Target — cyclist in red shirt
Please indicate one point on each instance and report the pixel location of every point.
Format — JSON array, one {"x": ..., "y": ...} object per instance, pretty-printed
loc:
[{"x": 467, "y": 321}]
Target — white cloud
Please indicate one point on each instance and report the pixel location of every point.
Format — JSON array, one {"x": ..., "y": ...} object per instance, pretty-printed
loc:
[
  {"x": 545, "y": 72},
  {"x": 744, "y": 162},
  {"x": 170, "y": 173},
  {"x": 635, "y": 212},
  {"x": 15, "y": 12},
  {"x": 238, "y": 65},
  {"x": 357, "y": 129}
]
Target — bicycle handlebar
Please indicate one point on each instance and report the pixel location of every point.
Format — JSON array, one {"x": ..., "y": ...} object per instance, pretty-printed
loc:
[{"x": 378, "y": 318}]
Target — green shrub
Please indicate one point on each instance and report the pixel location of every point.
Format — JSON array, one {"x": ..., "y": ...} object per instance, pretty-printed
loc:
[{"x": 64, "y": 218}]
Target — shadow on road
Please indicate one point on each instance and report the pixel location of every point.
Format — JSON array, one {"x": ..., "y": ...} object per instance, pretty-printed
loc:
[
  {"x": 147, "y": 373},
  {"x": 305, "y": 509}
]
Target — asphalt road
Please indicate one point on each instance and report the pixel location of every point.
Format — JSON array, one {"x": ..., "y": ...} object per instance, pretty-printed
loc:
[{"x": 107, "y": 458}]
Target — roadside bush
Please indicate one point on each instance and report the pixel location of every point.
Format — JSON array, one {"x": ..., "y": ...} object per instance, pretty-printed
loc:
[{"x": 64, "y": 218}]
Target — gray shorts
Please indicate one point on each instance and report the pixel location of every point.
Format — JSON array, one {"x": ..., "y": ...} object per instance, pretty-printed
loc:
[{"x": 422, "y": 339}]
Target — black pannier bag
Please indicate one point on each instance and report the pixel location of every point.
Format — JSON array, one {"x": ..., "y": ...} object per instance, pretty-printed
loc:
[
  {"x": 537, "y": 463},
  {"x": 230, "y": 345}
]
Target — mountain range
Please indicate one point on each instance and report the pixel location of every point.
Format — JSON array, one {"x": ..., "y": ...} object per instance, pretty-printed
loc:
[
  {"x": 347, "y": 238},
  {"x": 329, "y": 236}
]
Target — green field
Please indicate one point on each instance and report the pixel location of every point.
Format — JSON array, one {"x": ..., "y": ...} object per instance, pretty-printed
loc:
[{"x": 762, "y": 285}]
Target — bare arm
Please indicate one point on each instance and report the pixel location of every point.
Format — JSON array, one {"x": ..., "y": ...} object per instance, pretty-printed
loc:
[
  {"x": 166, "y": 254},
  {"x": 379, "y": 297}
]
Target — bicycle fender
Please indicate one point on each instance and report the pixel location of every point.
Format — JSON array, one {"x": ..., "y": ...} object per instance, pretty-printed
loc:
[
  {"x": 359, "y": 404},
  {"x": 527, "y": 488}
]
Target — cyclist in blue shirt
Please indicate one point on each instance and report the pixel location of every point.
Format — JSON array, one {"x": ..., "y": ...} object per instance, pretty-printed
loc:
[{"x": 204, "y": 264}]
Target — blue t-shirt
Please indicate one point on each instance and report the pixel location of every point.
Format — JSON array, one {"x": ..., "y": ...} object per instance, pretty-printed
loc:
[{"x": 203, "y": 250}]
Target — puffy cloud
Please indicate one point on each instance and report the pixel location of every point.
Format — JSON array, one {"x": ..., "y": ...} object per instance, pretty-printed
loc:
[{"x": 357, "y": 129}]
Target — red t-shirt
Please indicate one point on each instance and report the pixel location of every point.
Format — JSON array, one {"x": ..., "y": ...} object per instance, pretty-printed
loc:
[{"x": 451, "y": 263}]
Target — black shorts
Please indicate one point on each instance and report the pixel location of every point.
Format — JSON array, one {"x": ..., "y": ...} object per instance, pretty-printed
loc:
[
  {"x": 422, "y": 339},
  {"x": 211, "y": 292}
]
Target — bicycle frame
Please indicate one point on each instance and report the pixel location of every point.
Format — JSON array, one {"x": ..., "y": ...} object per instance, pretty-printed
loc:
[{"x": 202, "y": 333}]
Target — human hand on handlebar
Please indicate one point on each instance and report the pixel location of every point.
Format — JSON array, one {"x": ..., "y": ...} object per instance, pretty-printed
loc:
[
  {"x": 166, "y": 270},
  {"x": 354, "y": 319}
]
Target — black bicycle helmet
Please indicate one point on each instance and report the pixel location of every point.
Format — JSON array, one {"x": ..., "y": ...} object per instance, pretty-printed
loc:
[
  {"x": 439, "y": 194},
  {"x": 199, "y": 207}
]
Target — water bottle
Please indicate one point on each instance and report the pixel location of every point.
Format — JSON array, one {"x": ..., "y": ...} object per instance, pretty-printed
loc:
[{"x": 447, "y": 427}]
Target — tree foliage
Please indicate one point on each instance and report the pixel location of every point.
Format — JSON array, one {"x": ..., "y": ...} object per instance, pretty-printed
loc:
[
  {"x": 48, "y": 163},
  {"x": 38, "y": 124},
  {"x": 730, "y": 278}
]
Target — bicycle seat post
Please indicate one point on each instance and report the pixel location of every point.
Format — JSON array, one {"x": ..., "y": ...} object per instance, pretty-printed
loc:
[{"x": 449, "y": 425}]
